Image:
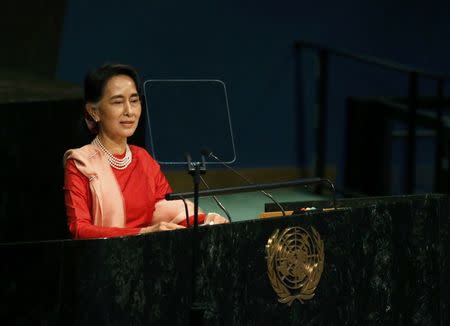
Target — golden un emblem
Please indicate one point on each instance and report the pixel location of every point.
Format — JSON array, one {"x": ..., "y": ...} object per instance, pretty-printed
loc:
[{"x": 295, "y": 260}]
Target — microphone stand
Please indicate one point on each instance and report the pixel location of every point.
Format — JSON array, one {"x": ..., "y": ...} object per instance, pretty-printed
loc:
[{"x": 195, "y": 169}]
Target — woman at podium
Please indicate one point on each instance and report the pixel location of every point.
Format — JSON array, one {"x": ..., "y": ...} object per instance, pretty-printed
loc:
[{"x": 112, "y": 188}]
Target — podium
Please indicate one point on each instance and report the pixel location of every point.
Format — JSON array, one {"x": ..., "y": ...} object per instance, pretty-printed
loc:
[{"x": 385, "y": 262}]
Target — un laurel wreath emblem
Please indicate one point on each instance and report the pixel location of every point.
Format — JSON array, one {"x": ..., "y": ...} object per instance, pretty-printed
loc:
[{"x": 295, "y": 259}]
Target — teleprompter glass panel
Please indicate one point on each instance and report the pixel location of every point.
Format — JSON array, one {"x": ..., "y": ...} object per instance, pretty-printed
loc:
[{"x": 188, "y": 116}]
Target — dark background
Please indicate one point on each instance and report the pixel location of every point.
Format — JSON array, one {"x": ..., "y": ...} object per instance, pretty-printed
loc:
[
  {"x": 49, "y": 45},
  {"x": 248, "y": 45}
]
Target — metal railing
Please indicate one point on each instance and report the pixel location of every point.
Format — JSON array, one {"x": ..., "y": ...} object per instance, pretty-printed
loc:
[{"x": 413, "y": 74}]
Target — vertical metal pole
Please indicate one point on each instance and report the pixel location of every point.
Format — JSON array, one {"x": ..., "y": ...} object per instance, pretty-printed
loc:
[
  {"x": 438, "y": 185},
  {"x": 411, "y": 142},
  {"x": 197, "y": 309},
  {"x": 322, "y": 97}
]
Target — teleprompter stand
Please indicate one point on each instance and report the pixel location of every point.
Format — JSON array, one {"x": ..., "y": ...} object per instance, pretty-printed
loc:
[{"x": 195, "y": 169}]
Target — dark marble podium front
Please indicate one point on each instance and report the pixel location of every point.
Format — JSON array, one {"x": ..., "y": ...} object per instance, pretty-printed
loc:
[{"x": 386, "y": 262}]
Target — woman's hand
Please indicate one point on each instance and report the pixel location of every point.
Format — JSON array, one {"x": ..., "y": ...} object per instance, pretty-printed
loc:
[
  {"x": 161, "y": 226},
  {"x": 214, "y": 218}
]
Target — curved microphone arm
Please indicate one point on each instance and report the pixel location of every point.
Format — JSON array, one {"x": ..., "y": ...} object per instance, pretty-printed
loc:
[
  {"x": 221, "y": 206},
  {"x": 207, "y": 152}
]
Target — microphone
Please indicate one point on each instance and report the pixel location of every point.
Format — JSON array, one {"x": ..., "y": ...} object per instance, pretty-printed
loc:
[
  {"x": 206, "y": 152},
  {"x": 188, "y": 158}
]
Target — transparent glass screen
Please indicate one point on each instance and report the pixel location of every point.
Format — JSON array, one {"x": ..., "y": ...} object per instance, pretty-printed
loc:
[{"x": 188, "y": 116}]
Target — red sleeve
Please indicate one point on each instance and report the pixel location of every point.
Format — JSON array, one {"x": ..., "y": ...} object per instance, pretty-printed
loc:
[
  {"x": 162, "y": 186},
  {"x": 77, "y": 196}
]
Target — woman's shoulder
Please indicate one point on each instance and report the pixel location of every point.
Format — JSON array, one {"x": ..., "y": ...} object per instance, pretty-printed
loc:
[
  {"x": 142, "y": 153},
  {"x": 137, "y": 150},
  {"x": 84, "y": 150},
  {"x": 81, "y": 153}
]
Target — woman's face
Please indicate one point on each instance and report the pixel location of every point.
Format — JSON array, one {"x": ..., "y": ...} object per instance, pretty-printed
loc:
[{"x": 119, "y": 109}]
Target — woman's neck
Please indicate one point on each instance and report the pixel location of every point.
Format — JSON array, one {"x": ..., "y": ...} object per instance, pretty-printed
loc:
[{"x": 114, "y": 146}]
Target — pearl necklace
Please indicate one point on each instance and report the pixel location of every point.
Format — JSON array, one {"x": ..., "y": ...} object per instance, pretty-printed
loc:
[{"x": 116, "y": 163}]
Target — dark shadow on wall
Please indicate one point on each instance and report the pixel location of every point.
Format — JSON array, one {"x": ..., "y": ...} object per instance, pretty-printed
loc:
[{"x": 30, "y": 36}]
